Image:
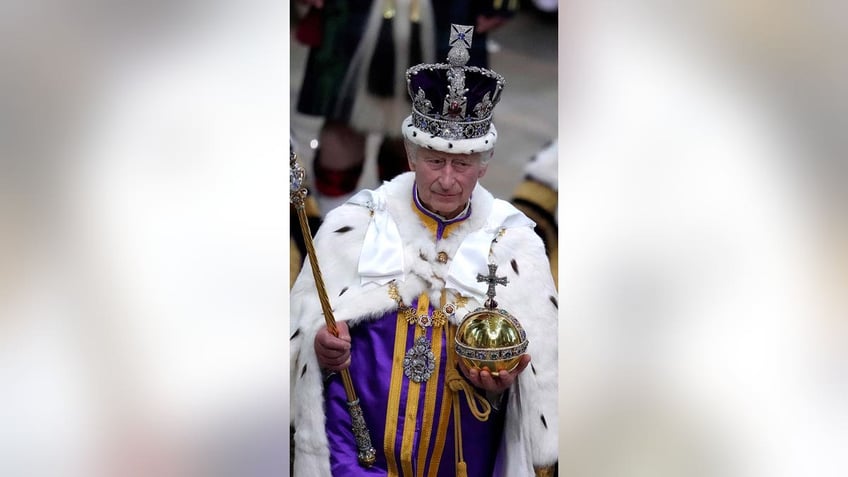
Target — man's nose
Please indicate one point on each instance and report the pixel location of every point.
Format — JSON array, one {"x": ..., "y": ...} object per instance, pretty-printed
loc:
[{"x": 447, "y": 176}]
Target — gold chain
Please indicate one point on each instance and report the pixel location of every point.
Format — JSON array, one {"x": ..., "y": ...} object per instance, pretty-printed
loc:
[{"x": 438, "y": 318}]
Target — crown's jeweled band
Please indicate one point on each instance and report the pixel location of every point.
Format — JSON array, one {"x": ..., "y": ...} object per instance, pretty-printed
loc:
[{"x": 451, "y": 129}]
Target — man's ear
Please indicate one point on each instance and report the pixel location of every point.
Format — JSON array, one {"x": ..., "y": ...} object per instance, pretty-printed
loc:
[
  {"x": 409, "y": 154},
  {"x": 485, "y": 165}
]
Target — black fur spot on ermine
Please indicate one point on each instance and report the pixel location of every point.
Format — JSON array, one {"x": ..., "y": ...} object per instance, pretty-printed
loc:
[{"x": 341, "y": 230}]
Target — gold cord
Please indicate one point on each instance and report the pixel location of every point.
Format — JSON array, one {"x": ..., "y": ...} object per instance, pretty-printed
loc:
[{"x": 478, "y": 404}]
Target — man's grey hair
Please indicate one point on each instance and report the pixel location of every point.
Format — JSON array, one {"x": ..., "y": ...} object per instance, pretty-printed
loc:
[{"x": 412, "y": 152}]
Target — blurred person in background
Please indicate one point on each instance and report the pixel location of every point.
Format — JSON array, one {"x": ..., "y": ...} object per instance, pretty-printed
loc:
[
  {"x": 354, "y": 75},
  {"x": 537, "y": 196}
]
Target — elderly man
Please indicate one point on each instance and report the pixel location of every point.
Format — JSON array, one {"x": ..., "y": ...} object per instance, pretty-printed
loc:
[{"x": 401, "y": 266}]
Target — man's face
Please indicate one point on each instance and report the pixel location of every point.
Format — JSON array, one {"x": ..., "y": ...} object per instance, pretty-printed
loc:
[{"x": 445, "y": 181}]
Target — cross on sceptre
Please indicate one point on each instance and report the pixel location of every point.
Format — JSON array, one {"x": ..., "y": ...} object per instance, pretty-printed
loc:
[{"x": 492, "y": 280}]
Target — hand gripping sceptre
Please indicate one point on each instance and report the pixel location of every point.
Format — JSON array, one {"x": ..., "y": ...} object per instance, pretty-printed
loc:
[{"x": 365, "y": 451}]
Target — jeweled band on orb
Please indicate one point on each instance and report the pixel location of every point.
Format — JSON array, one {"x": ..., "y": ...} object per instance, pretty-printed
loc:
[{"x": 491, "y": 354}]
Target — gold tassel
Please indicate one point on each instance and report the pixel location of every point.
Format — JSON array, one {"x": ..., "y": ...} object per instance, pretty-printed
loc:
[
  {"x": 461, "y": 471},
  {"x": 544, "y": 471}
]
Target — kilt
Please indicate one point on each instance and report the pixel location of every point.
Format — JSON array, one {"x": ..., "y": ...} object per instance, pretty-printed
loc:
[{"x": 342, "y": 26}]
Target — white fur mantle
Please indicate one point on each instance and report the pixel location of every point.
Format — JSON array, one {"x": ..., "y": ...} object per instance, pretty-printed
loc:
[{"x": 530, "y": 434}]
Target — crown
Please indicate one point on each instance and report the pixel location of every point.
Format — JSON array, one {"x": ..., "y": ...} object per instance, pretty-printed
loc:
[{"x": 453, "y": 104}]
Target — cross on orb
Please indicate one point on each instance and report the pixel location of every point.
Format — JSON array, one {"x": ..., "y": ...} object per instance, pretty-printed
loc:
[{"x": 492, "y": 280}]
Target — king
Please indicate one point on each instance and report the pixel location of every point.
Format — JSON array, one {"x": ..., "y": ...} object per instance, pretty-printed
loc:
[{"x": 401, "y": 265}]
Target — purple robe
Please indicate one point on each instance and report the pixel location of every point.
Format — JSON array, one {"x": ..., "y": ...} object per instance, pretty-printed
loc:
[{"x": 417, "y": 418}]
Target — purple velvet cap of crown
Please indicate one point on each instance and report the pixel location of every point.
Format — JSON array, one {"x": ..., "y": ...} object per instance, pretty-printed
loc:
[{"x": 428, "y": 87}]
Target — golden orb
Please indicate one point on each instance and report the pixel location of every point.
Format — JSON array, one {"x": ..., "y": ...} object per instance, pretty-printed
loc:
[{"x": 490, "y": 339}]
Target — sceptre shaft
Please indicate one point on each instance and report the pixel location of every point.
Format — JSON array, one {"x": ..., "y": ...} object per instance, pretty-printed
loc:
[{"x": 365, "y": 451}]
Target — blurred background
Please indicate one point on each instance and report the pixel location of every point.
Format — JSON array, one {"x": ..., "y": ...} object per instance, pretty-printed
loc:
[
  {"x": 144, "y": 260},
  {"x": 523, "y": 50},
  {"x": 702, "y": 238},
  {"x": 703, "y": 232}
]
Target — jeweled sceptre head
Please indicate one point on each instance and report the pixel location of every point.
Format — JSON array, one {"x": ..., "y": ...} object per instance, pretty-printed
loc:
[{"x": 297, "y": 176}]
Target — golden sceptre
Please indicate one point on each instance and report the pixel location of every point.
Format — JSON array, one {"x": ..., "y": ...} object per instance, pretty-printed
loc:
[{"x": 365, "y": 451}]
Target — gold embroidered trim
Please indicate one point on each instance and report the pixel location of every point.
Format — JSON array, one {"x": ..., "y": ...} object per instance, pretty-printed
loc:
[
  {"x": 444, "y": 413},
  {"x": 430, "y": 415},
  {"x": 409, "y": 423},
  {"x": 390, "y": 432}
]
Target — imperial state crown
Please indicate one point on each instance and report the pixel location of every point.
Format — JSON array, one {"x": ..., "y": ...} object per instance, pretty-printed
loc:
[{"x": 452, "y": 103}]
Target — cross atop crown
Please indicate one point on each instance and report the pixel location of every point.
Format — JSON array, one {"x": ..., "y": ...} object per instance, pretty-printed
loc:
[{"x": 461, "y": 35}]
